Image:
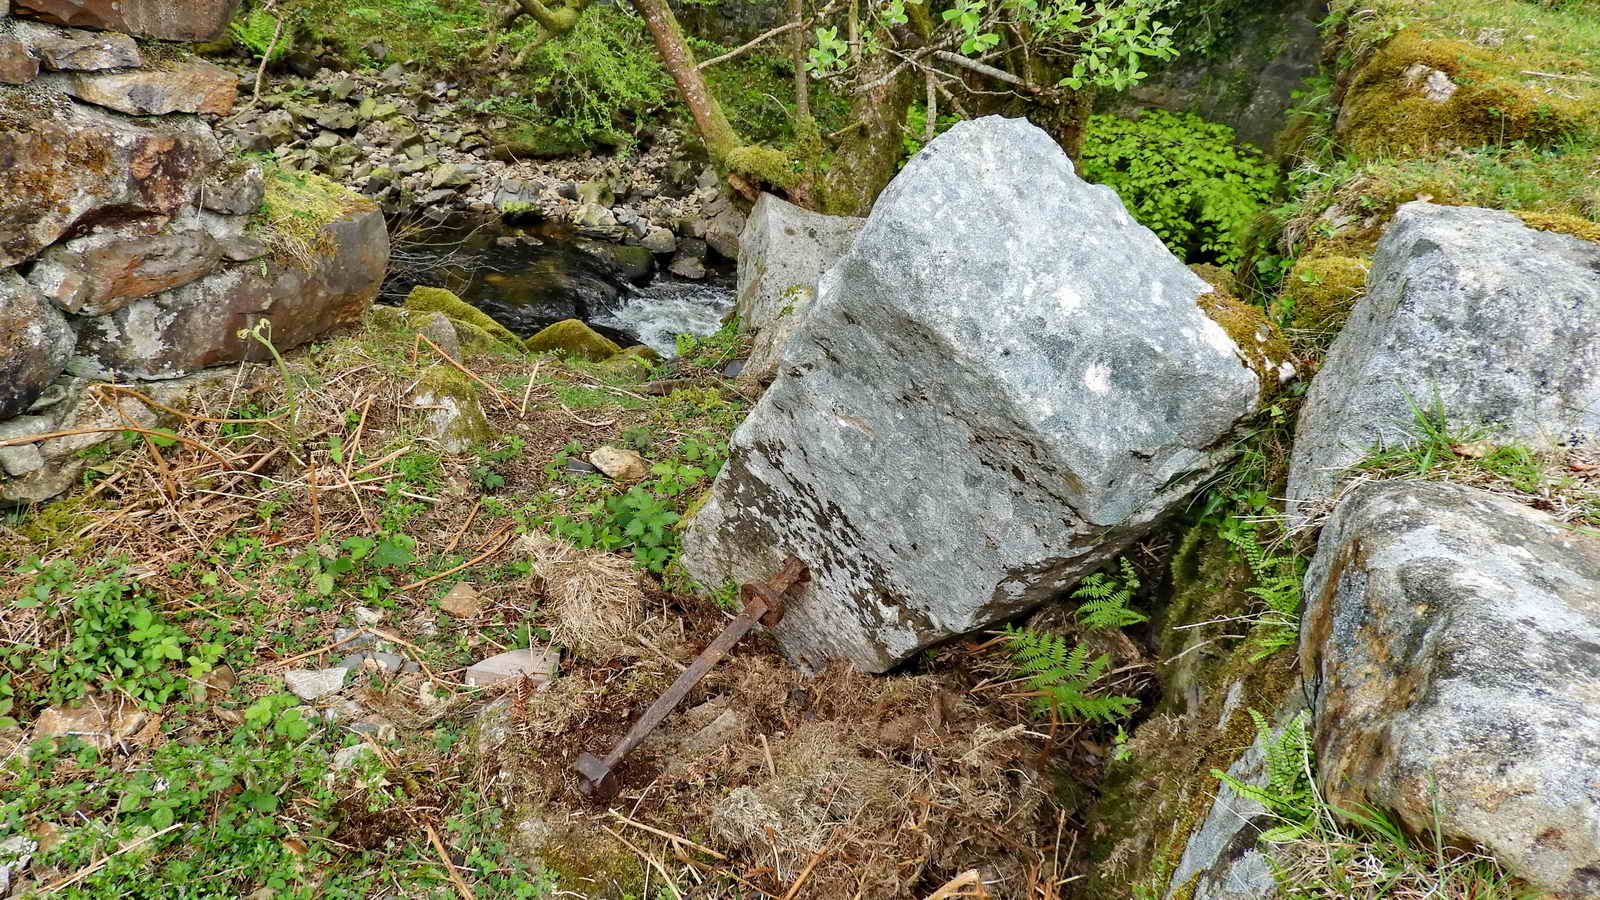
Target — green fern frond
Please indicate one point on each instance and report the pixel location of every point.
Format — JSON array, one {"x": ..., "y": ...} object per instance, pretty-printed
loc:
[
  {"x": 1105, "y": 599},
  {"x": 1062, "y": 679},
  {"x": 1278, "y": 587}
]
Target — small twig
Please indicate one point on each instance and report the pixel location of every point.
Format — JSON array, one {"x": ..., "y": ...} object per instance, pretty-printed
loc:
[
  {"x": 316, "y": 508},
  {"x": 584, "y": 421},
  {"x": 654, "y": 863},
  {"x": 1585, "y": 78},
  {"x": 527, "y": 392},
  {"x": 299, "y": 656},
  {"x": 503, "y": 533},
  {"x": 498, "y": 394},
  {"x": 100, "y": 863},
  {"x": 34, "y": 438},
  {"x": 766, "y": 749},
  {"x": 678, "y": 838},
  {"x": 450, "y": 867},
  {"x": 794, "y": 889},
  {"x": 464, "y": 526},
  {"x": 261, "y": 70},
  {"x": 751, "y": 44}
]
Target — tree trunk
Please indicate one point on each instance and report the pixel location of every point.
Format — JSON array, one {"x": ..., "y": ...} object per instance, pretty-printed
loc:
[
  {"x": 709, "y": 120},
  {"x": 797, "y": 49}
]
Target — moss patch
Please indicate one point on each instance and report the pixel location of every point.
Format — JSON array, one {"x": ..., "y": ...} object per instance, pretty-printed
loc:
[
  {"x": 432, "y": 299},
  {"x": 637, "y": 360},
  {"x": 295, "y": 207},
  {"x": 1426, "y": 96},
  {"x": 1582, "y": 229},
  {"x": 763, "y": 164},
  {"x": 1323, "y": 290},
  {"x": 570, "y": 337},
  {"x": 1262, "y": 344}
]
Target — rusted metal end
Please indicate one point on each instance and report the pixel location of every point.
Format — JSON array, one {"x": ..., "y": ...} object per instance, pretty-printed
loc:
[{"x": 763, "y": 602}]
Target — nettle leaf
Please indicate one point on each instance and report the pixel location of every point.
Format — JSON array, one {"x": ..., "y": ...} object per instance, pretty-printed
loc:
[{"x": 394, "y": 550}]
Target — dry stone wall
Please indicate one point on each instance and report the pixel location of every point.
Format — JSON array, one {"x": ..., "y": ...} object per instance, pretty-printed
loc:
[{"x": 129, "y": 246}]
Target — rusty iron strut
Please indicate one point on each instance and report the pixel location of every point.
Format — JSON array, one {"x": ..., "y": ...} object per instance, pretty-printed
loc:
[{"x": 764, "y": 603}]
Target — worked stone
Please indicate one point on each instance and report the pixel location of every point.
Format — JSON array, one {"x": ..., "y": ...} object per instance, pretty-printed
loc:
[
  {"x": 538, "y": 664},
  {"x": 17, "y": 64},
  {"x": 783, "y": 250},
  {"x": 1002, "y": 384},
  {"x": 67, "y": 164},
  {"x": 1469, "y": 311},
  {"x": 188, "y": 86},
  {"x": 72, "y": 49},
  {"x": 169, "y": 20},
  {"x": 197, "y": 325},
  {"x": 35, "y": 344},
  {"x": 1452, "y": 640},
  {"x": 113, "y": 266}
]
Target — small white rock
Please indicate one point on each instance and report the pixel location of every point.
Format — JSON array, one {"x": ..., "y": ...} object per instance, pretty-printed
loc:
[
  {"x": 619, "y": 464},
  {"x": 309, "y": 684},
  {"x": 539, "y": 664}
]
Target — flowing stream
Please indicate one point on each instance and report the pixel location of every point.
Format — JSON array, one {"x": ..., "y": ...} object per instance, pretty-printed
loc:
[{"x": 527, "y": 280}]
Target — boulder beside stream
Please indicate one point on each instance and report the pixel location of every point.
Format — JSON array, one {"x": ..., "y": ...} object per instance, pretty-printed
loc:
[{"x": 1001, "y": 385}]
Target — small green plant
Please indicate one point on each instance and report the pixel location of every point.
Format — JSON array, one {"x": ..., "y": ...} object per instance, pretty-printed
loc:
[
  {"x": 1278, "y": 586},
  {"x": 1105, "y": 598},
  {"x": 1062, "y": 679},
  {"x": 1182, "y": 177},
  {"x": 354, "y": 562},
  {"x": 116, "y": 637},
  {"x": 1290, "y": 792}
]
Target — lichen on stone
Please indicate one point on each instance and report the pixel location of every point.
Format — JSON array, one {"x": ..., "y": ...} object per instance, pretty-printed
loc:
[{"x": 451, "y": 408}]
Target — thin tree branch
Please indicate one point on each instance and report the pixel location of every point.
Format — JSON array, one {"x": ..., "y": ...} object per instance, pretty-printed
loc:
[{"x": 990, "y": 71}]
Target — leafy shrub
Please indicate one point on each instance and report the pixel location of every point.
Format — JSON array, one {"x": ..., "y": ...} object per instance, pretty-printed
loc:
[
  {"x": 1183, "y": 178},
  {"x": 1062, "y": 680},
  {"x": 643, "y": 518},
  {"x": 593, "y": 82},
  {"x": 116, "y": 637}
]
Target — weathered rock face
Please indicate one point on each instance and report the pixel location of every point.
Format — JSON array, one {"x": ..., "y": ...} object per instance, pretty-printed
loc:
[
  {"x": 71, "y": 49},
  {"x": 1452, "y": 639},
  {"x": 1468, "y": 306},
  {"x": 18, "y": 65},
  {"x": 782, "y": 252},
  {"x": 34, "y": 344},
  {"x": 190, "y": 86},
  {"x": 170, "y": 20},
  {"x": 65, "y": 166},
  {"x": 182, "y": 330},
  {"x": 1003, "y": 383},
  {"x": 106, "y": 270}
]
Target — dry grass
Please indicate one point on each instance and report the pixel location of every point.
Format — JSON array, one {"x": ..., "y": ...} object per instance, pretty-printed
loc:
[{"x": 595, "y": 607}]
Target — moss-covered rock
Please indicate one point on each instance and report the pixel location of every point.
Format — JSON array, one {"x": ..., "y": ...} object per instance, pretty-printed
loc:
[
  {"x": 451, "y": 408},
  {"x": 763, "y": 165},
  {"x": 636, "y": 361},
  {"x": 1323, "y": 289},
  {"x": 1425, "y": 96},
  {"x": 1575, "y": 226},
  {"x": 431, "y": 299},
  {"x": 1152, "y": 801},
  {"x": 570, "y": 337},
  {"x": 1265, "y": 349}
]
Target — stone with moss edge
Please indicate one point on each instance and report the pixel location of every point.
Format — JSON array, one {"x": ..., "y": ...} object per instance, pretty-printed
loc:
[
  {"x": 451, "y": 408},
  {"x": 1451, "y": 638},
  {"x": 1003, "y": 383},
  {"x": 433, "y": 299},
  {"x": 571, "y": 337},
  {"x": 1467, "y": 310},
  {"x": 169, "y": 20}
]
